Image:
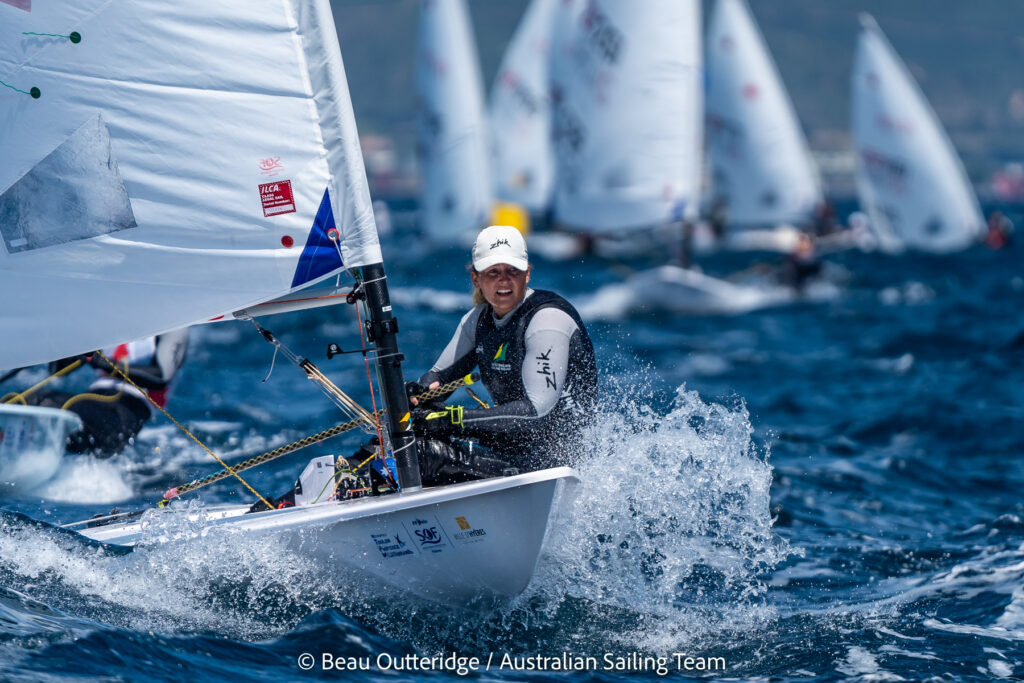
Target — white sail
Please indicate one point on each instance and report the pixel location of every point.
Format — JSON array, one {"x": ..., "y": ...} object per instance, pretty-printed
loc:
[
  {"x": 455, "y": 197},
  {"x": 627, "y": 112},
  {"x": 181, "y": 161},
  {"x": 520, "y": 113},
  {"x": 909, "y": 177},
  {"x": 762, "y": 167}
]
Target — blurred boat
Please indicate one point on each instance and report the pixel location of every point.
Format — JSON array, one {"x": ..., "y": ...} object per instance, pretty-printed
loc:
[
  {"x": 761, "y": 163},
  {"x": 910, "y": 180},
  {"x": 520, "y": 114},
  {"x": 762, "y": 170},
  {"x": 626, "y": 114},
  {"x": 456, "y": 192},
  {"x": 674, "y": 290},
  {"x": 113, "y": 244}
]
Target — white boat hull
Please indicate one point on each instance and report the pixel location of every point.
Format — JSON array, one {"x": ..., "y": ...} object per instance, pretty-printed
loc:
[
  {"x": 32, "y": 441},
  {"x": 452, "y": 544}
]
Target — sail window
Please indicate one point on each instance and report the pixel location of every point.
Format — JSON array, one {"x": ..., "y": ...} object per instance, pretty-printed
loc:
[{"x": 75, "y": 193}]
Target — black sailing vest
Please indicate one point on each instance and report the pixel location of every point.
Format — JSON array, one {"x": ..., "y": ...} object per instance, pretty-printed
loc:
[{"x": 500, "y": 356}]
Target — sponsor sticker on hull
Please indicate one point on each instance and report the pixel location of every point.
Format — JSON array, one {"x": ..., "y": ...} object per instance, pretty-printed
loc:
[
  {"x": 428, "y": 534},
  {"x": 393, "y": 544},
  {"x": 467, "y": 533}
]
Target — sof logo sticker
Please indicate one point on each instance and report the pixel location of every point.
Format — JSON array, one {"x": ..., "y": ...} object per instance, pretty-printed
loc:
[
  {"x": 429, "y": 535},
  {"x": 392, "y": 545},
  {"x": 466, "y": 533}
]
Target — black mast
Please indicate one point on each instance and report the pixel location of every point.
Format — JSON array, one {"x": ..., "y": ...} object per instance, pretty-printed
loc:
[{"x": 382, "y": 328}]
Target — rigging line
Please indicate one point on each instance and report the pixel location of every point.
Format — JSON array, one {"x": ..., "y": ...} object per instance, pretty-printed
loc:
[
  {"x": 260, "y": 459},
  {"x": 60, "y": 373},
  {"x": 306, "y": 441},
  {"x": 342, "y": 400},
  {"x": 118, "y": 370},
  {"x": 354, "y": 408},
  {"x": 273, "y": 359},
  {"x": 369, "y": 379}
]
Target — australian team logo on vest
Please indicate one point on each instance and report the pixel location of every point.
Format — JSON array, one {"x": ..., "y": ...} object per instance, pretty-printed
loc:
[{"x": 499, "y": 363}]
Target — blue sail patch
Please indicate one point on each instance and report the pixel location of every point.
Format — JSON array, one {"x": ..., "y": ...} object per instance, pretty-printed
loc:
[{"x": 319, "y": 256}]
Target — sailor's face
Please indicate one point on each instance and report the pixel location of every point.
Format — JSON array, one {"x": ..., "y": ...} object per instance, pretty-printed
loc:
[{"x": 503, "y": 286}]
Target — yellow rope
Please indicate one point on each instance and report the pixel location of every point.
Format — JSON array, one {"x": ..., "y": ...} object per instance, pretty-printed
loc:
[
  {"x": 100, "y": 398},
  {"x": 118, "y": 370},
  {"x": 88, "y": 396},
  {"x": 472, "y": 394},
  {"x": 307, "y": 441},
  {"x": 60, "y": 373}
]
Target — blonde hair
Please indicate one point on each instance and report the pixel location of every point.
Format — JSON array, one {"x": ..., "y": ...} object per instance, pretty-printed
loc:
[{"x": 478, "y": 296}]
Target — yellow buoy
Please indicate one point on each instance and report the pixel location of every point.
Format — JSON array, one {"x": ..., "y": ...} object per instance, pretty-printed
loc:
[{"x": 507, "y": 213}]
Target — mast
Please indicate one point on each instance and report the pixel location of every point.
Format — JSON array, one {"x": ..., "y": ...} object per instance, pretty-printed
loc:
[{"x": 383, "y": 333}]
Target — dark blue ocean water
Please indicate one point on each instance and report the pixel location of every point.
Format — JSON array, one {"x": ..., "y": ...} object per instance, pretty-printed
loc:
[{"x": 827, "y": 489}]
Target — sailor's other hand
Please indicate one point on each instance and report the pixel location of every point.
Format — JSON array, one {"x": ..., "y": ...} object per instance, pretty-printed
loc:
[
  {"x": 414, "y": 389},
  {"x": 58, "y": 365},
  {"x": 439, "y": 423}
]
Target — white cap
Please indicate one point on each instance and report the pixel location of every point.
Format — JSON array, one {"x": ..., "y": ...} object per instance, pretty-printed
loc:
[{"x": 499, "y": 244}]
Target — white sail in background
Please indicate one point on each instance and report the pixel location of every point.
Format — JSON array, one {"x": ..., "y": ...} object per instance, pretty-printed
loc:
[
  {"x": 181, "y": 161},
  {"x": 520, "y": 113},
  {"x": 627, "y": 115},
  {"x": 455, "y": 198},
  {"x": 909, "y": 177},
  {"x": 761, "y": 164}
]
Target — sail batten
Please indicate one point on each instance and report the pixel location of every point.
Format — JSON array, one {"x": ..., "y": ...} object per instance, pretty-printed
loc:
[{"x": 233, "y": 152}]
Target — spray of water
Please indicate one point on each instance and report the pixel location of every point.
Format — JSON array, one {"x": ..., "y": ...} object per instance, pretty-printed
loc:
[{"x": 668, "y": 541}]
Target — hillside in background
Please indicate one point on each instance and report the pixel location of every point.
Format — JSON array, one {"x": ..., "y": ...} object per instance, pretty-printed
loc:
[{"x": 966, "y": 56}]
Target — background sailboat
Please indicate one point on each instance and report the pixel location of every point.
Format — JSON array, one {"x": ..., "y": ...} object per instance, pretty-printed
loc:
[
  {"x": 626, "y": 113},
  {"x": 456, "y": 193},
  {"x": 520, "y": 114},
  {"x": 910, "y": 180},
  {"x": 627, "y": 122},
  {"x": 762, "y": 167}
]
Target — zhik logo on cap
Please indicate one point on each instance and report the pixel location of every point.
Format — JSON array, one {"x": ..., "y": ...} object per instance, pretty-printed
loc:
[{"x": 500, "y": 244}]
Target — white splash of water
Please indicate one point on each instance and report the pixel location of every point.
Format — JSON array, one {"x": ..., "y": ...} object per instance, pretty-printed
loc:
[
  {"x": 195, "y": 576},
  {"x": 85, "y": 479},
  {"x": 672, "y": 523}
]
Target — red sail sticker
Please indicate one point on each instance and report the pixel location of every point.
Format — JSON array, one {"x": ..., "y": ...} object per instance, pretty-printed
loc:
[
  {"x": 277, "y": 198},
  {"x": 20, "y": 4}
]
